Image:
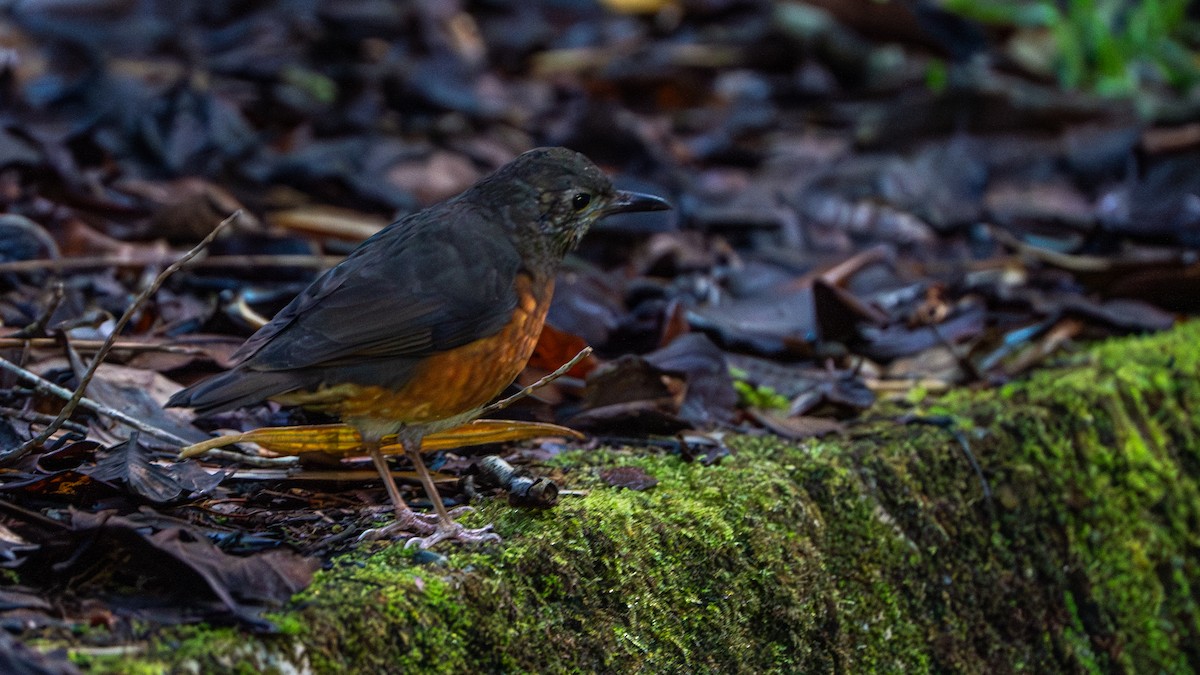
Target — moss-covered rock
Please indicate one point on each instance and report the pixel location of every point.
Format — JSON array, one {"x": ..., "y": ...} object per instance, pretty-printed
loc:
[{"x": 1076, "y": 550}]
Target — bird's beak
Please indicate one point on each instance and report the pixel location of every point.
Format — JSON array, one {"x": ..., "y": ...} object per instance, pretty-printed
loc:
[{"x": 630, "y": 202}]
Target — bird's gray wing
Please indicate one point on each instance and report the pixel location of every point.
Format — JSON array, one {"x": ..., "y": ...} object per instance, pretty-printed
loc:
[{"x": 429, "y": 283}]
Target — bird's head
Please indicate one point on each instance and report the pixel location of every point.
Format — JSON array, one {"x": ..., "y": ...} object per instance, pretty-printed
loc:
[{"x": 562, "y": 193}]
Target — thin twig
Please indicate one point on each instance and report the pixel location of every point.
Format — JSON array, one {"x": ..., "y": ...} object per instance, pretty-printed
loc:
[
  {"x": 38, "y": 327},
  {"x": 30, "y": 515},
  {"x": 253, "y": 460},
  {"x": 138, "y": 301},
  {"x": 47, "y": 388},
  {"x": 562, "y": 370},
  {"x": 95, "y": 345},
  {"x": 213, "y": 261},
  {"x": 39, "y": 418},
  {"x": 329, "y": 475}
]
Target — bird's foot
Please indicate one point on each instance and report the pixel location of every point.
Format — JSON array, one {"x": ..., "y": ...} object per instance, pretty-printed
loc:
[
  {"x": 410, "y": 523},
  {"x": 407, "y": 523},
  {"x": 458, "y": 511},
  {"x": 452, "y": 531}
]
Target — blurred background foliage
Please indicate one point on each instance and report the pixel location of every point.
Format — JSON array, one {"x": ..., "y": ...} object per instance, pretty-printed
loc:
[{"x": 1110, "y": 47}]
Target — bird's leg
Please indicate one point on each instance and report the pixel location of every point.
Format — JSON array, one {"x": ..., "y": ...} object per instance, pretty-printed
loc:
[
  {"x": 407, "y": 520},
  {"x": 447, "y": 528},
  {"x": 438, "y": 526},
  {"x": 403, "y": 512},
  {"x": 413, "y": 451}
]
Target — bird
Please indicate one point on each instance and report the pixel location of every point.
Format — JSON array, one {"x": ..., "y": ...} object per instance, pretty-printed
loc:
[{"x": 428, "y": 320}]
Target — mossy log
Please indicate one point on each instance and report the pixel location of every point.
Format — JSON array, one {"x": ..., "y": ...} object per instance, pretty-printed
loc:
[{"x": 876, "y": 552}]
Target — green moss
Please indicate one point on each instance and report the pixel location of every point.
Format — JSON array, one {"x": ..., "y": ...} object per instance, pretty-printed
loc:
[
  {"x": 193, "y": 649},
  {"x": 753, "y": 395},
  {"x": 878, "y": 552},
  {"x": 1110, "y": 443},
  {"x": 596, "y": 572}
]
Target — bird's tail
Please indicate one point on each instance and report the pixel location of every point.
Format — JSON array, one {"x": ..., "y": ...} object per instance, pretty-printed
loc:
[{"x": 231, "y": 390}]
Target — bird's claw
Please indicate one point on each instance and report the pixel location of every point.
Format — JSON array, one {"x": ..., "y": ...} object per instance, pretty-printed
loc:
[
  {"x": 452, "y": 531},
  {"x": 411, "y": 523},
  {"x": 404, "y": 525}
]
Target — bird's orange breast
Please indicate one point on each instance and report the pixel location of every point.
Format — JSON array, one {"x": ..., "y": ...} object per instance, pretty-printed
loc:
[{"x": 452, "y": 382}]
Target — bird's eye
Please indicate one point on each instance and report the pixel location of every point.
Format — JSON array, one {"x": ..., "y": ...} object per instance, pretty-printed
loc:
[{"x": 581, "y": 200}]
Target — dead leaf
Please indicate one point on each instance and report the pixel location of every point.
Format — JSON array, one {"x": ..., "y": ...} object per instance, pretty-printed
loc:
[
  {"x": 631, "y": 477},
  {"x": 556, "y": 347},
  {"x": 328, "y": 221},
  {"x": 344, "y": 440},
  {"x": 174, "y": 568},
  {"x": 710, "y": 398},
  {"x": 796, "y": 428},
  {"x": 133, "y": 465}
]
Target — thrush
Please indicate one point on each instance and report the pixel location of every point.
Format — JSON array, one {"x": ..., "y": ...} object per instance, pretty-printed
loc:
[{"x": 429, "y": 319}]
